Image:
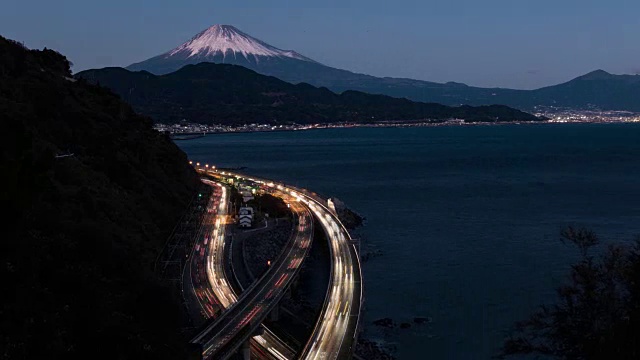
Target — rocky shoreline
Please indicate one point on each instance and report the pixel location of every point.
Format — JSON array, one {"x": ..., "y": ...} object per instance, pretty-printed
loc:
[
  {"x": 390, "y": 323},
  {"x": 365, "y": 348},
  {"x": 349, "y": 218}
]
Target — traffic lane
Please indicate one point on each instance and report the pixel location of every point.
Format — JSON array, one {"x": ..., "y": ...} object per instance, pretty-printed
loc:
[
  {"x": 355, "y": 295},
  {"x": 352, "y": 325},
  {"x": 331, "y": 330},
  {"x": 267, "y": 345},
  {"x": 307, "y": 240},
  {"x": 196, "y": 295},
  {"x": 272, "y": 342},
  {"x": 264, "y": 293},
  {"x": 236, "y": 322},
  {"x": 330, "y": 324},
  {"x": 215, "y": 247}
]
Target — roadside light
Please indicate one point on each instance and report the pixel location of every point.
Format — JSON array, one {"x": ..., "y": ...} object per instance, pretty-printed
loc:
[
  {"x": 206, "y": 165},
  {"x": 197, "y": 164},
  {"x": 190, "y": 162},
  {"x": 268, "y": 262}
]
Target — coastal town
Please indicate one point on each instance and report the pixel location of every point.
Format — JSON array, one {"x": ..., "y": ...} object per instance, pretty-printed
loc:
[{"x": 552, "y": 115}]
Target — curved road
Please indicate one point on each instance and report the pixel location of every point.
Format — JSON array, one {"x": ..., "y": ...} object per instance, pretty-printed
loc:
[
  {"x": 222, "y": 337},
  {"x": 335, "y": 333},
  {"x": 208, "y": 291}
]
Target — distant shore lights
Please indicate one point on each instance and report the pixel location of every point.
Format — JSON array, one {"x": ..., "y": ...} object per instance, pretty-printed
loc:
[{"x": 207, "y": 166}]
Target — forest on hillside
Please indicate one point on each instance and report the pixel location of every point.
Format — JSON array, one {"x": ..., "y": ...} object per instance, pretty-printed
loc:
[{"x": 91, "y": 194}]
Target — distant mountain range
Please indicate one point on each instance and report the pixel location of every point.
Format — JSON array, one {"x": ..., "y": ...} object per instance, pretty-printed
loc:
[
  {"x": 230, "y": 94},
  {"x": 226, "y": 44}
]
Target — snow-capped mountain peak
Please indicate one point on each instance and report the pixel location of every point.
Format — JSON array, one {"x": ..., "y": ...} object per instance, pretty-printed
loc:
[{"x": 227, "y": 40}]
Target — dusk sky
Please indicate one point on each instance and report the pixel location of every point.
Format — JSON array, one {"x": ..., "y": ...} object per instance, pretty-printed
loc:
[{"x": 506, "y": 43}]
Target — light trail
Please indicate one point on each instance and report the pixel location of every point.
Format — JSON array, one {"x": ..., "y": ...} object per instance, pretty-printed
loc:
[
  {"x": 219, "y": 292},
  {"x": 227, "y": 297},
  {"x": 339, "y": 318},
  {"x": 331, "y": 328}
]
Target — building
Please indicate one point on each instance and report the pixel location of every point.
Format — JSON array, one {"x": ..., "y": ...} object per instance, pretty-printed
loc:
[
  {"x": 245, "y": 217},
  {"x": 247, "y": 191}
]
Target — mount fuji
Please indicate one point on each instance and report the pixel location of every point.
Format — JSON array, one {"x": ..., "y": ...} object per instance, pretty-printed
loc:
[{"x": 225, "y": 44}]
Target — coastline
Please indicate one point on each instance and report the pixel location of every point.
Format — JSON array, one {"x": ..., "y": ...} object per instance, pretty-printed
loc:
[
  {"x": 387, "y": 125},
  {"x": 430, "y": 244}
]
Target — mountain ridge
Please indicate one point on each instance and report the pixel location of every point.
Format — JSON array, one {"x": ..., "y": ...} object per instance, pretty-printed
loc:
[
  {"x": 231, "y": 94},
  {"x": 605, "y": 91},
  {"x": 225, "y": 39}
]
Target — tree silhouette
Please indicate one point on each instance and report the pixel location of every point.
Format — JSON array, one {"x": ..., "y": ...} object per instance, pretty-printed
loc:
[{"x": 597, "y": 313}]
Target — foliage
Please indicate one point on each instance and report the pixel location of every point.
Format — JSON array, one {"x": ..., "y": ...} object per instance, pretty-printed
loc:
[
  {"x": 91, "y": 193},
  {"x": 229, "y": 94},
  {"x": 597, "y": 314},
  {"x": 272, "y": 205}
]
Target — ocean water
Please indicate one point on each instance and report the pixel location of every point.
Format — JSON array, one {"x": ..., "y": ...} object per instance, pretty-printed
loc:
[{"x": 467, "y": 218}]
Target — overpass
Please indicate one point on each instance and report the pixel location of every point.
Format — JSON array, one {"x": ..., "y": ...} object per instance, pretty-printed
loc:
[
  {"x": 206, "y": 287},
  {"x": 335, "y": 333},
  {"x": 243, "y": 316}
]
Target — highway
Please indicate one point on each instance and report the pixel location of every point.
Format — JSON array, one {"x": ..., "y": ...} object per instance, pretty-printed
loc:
[
  {"x": 206, "y": 282},
  {"x": 243, "y": 315},
  {"x": 335, "y": 333},
  {"x": 199, "y": 293}
]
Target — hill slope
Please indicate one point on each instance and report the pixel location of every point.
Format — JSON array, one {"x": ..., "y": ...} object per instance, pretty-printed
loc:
[
  {"x": 595, "y": 89},
  {"x": 226, "y": 44},
  {"x": 230, "y": 94},
  {"x": 92, "y": 192}
]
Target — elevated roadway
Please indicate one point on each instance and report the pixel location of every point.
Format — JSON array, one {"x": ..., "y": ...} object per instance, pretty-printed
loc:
[
  {"x": 206, "y": 284},
  {"x": 335, "y": 333},
  {"x": 243, "y": 316}
]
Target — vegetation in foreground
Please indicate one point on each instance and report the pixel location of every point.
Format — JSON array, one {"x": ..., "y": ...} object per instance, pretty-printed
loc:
[
  {"x": 91, "y": 193},
  {"x": 597, "y": 315}
]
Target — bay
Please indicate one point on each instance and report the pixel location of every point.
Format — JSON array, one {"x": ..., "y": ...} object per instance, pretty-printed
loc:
[{"x": 467, "y": 218}]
